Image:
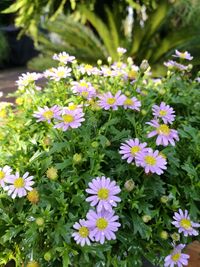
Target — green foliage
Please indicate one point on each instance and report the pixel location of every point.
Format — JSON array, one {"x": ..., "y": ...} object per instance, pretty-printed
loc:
[
  {"x": 44, "y": 230},
  {"x": 3, "y": 48}
]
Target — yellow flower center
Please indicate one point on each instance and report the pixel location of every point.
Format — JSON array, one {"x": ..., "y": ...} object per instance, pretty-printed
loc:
[
  {"x": 119, "y": 64},
  {"x": 63, "y": 57},
  {"x": 84, "y": 93},
  {"x": 33, "y": 196},
  {"x": 83, "y": 231},
  {"x": 132, "y": 74},
  {"x": 185, "y": 223},
  {"x": 2, "y": 175},
  {"x": 19, "y": 182},
  {"x": 83, "y": 84},
  {"x": 162, "y": 113},
  {"x": 101, "y": 223},
  {"x": 68, "y": 118},
  {"x": 72, "y": 107},
  {"x": 163, "y": 129},
  {"x": 182, "y": 55},
  {"x": 176, "y": 257},
  {"x": 88, "y": 67},
  {"x": 103, "y": 193},
  {"x": 150, "y": 160},
  {"x": 2, "y": 113},
  {"x": 128, "y": 102},
  {"x": 135, "y": 149},
  {"x": 48, "y": 114},
  {"x": 111, "y": 101},
  {"x": 61, "y": 73}
]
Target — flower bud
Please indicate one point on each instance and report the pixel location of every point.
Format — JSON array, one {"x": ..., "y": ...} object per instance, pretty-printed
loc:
[
  {"x": 99, "y": 62},
  {"x": 109, "y": 59},
  {"x": 47, "y": 256},
  {"x": 144, "y": 65},
  {"x": 33, "y": 196},
  {"x": 175, "y": 236},
  {"x": 164, "y": 235},
  {"x": 39, "y": 221},
  {"x": 32, "y": 264},
  {"x": 77, "y": 158},
  {"x": 95, "y": 144},
  {"x": 47, "y": 141},
  {"x": 129, "y": 185},
  {"x": 146, "y": 218},
  {"x": 164, "y": 199},
  {"x": 143, "y": 111},
  {"x": 162, "y": 92},
  {"x": 129, "y": 60},
  {"x": 52, "y": 173}
]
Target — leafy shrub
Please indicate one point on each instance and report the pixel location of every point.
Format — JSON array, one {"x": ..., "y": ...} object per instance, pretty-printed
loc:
[{"x": 91, "y": 126}]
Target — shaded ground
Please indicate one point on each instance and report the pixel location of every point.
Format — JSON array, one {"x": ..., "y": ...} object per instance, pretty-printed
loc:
[{"x": 8, "y": 80}]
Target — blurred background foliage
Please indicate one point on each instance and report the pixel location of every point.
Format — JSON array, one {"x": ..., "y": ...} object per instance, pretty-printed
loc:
[{"x": 93, "y": 29}]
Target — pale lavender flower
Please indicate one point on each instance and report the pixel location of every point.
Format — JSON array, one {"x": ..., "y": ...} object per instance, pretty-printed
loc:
[
  {"x": 19, "y": 185},
  {"x": 108, "y": 72},
  {"x": 165, "y": 135},
  {"x": 107, "y": 100},
  {"x": 183, "y": 55},
  {"x": 177, "y": 258},
  {"x": 88, "y": 69},
  {"x": 173, "y": 64},
  {"x": 26, "y": 78},
  {"x": 47, "y": 114},
  {"x": 102, "y": 224},
  {"x": 165, "y": 112},
  {"x": 83, "y": 88},
  {"x": 70, "y": 119},
  {"x": 118, "y": 66},
  {"x": 5, "y": 173},
  {"x": 132, "y": 103},
  {"x": 130, "y": 148},
  {"x": 151, "y": 161},
  {"x": 184, "y": 224},
  {"x": 63, "y": 57},
  {"x": 82, "y": 236},
  {"x": 59, "y": 73},
  {"x": 121, "y": 50},
  {"x": 103, "y": 192},
  {"x": 197, "y": 79}
]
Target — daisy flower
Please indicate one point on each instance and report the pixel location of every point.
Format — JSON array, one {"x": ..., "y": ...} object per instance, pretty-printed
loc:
[
  {"x": 165, "y": 112},
  {"x": 102, "y": 224},
  {"x": 88, "y": 69},
  {"x": 70, "y": 118},
  {"x": 184, "y": 224},
  {"x": 26, "y": 78},
  {"x": 164, "y": 133},
  {"x": 63, "y": 57},
  {"x": 107, "y": 72},
  {"x": 151, "y": 161},
  {"x": 18, "y": 186},
  {"x": 82, "y": 235},
  {"x": 121, "y": 50},
  {"x": 177, "y": 258},
  {"x": 103, "y": 193},
  {"x": 118, "y": 66},
  {"x": 107, "y": 100},
  {"x": 5, "y": 173},
  {"x": 59, "y": 73},
  {"x": 83, "y": 88},
  {"x": 47, "y": 114},
  {"x": 173, "y": 64},
  {"x": 132, "y": 103},
  {"x": 183, "y": 55},
  {"x": 130, "y": 148}
]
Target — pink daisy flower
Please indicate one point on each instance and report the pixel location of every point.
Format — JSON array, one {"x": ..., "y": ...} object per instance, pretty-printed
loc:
[
  {"x": 18, "y": 186},
  {"x": 47, "y": 114},
  {"x": 103, "y": 193},
  {"x": 82, "y": 236},
  {"x": 183, "y": 55},
  {"x": 130, "y": 148},
  {"x": 83, "y": 88},
  {"x": 132, "y": 103},
  {"x": 5, "y": 173},
  {"x": 184, "y": 224},
  {"x": 70, "y": 118},
  {"x": 151, "y": 161},
  {"x": 164, "y": 133},
  {"x": 165, "y": 112},
  {"x": 107, "y": 100},
  {"x": 63, "y": 57},
  {"x": 177, "y": 258},
  {"x": 102, "y": 224}
]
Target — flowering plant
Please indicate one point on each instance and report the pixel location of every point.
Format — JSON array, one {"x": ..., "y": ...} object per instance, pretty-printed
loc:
[{"x": 97, "y": 164}]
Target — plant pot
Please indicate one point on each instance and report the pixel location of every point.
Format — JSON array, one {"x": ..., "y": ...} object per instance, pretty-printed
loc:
[{"x": 194, "y": 251}]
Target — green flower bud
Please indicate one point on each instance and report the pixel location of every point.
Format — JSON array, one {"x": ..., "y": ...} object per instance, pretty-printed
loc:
[
  {"x": 146, "y": 218},
  {"x": 39, "y": 221},
  {"x": 129, "y": 185},
  {"x": 162, "y": 91},
  {"x": 144, "y": 112},
  {"x": 144, "y": 65},
  {"x": 164, "y": 235},
  {"x": 109, "y": 59},
  {"x": 32, "y": 264},
  {"x": 52, "y": 173},
  {"x": 77, "y": 158},
  {"x": 48, "y": 256},
  {"x": 175, "y": 236},
  {"x": 164, "y": 199},
  {"x": 95, "y": 144},
  {"x": 99, "y": 62}
]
